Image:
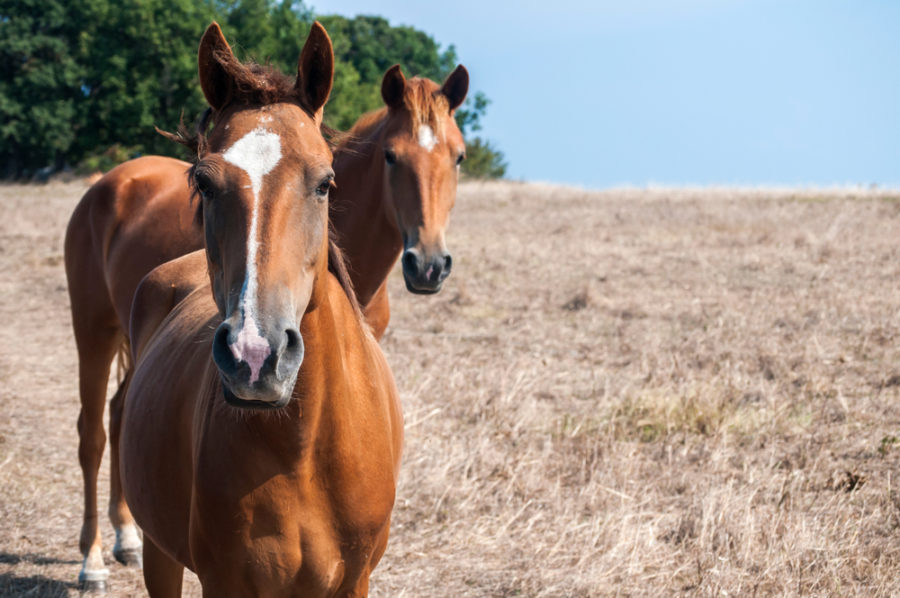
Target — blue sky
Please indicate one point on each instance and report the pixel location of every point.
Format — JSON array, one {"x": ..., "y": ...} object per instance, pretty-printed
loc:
[{"x": 637, "y": 92}]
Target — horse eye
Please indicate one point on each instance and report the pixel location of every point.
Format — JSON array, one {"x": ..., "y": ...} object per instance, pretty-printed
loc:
[
  {"x": 204, "y": 186},
  {"x": 460, "y": 158},
  {"x": 390, "y": 157},
  {"x": 324, "y": 186}
]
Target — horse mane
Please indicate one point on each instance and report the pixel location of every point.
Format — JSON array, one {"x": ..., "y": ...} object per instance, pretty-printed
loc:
[
  {"x": 337, "y": 265},
  {"x": 353, "y": 140},
  {"x": 367, "y": 123}
]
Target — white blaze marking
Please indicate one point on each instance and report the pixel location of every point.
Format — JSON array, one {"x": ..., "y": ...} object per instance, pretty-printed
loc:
[
  {"x": 426, "y": 137},
  {"x": 256, "y": 153}
]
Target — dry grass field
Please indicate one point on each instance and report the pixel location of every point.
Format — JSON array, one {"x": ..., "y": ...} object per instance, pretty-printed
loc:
[{"x": 623, "y": 393}]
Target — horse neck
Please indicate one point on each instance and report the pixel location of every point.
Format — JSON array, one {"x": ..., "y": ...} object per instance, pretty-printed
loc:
[
  {"x": 368, "y": 234},
  {"x": 325, "y": 331}
]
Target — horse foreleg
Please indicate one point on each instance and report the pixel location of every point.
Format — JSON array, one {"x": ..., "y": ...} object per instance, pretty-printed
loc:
[
  {"x": 162, "y": 575},
  {"x": 361, "y": 588},
  {"x": 128, "y": 543}
]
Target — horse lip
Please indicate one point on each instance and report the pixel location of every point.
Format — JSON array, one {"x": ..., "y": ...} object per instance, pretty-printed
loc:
[
  {"x": 235, "y": 401},
  {"x": 422, "y": 290}
]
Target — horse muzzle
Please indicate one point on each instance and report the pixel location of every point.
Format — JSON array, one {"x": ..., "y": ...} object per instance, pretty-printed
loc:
[
  {"x": 258, "y": 369},
  {"x": 424, "y": 274}
]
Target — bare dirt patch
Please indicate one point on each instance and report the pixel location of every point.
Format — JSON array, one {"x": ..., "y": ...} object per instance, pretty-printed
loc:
[{"x": 637, "y": 393}]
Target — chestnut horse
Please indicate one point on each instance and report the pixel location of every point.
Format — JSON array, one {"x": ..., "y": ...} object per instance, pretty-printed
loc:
[
  {"x": 396, "y": 175},
  {"x": 261, "y": 431},
  {"x": 409, "y": 155}
]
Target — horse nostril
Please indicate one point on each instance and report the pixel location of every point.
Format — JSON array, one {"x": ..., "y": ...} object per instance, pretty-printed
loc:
[
  {"x": 448, "y": 263},
  {"x": 293, "y": 339},
  {"x": 410, "y": 262},
  {"x": 221, "y": 337},
  {"x": 291, "y": 356},
  {"x": 222, "y": 353}
]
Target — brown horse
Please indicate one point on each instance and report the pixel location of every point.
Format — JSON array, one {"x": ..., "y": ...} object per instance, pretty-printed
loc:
[
  {"x": 115, "y": 237},
  {"x": 408, "y": 154},
  {"x": 396, "y": 175},
  {"x": 261, "y": 429}
]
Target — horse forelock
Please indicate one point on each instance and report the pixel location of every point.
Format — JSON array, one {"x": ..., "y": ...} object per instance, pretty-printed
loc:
[
  {"x": 255, "y": 85},
  {"x": 423, "y": 105},
  {"x": 426, "y": 105}
]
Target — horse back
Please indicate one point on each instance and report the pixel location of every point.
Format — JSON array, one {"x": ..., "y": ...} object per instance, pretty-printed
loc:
[{"x": 136, "y": 217}]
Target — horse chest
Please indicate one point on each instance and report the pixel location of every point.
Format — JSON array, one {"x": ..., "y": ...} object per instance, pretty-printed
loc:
[{"x": 278, "y": 539}]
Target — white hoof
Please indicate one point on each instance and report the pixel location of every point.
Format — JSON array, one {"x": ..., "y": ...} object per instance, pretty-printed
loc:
[{"x": 93, "y": 580}]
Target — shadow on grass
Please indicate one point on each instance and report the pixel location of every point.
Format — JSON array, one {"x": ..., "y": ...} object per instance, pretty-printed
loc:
[
  {"x": 37, "y": 586},
  {"x": 8, "y": 558}
]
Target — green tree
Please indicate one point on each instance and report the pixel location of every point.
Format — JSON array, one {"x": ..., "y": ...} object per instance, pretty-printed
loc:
[
  {"x": 39, "y": 84},
  {"x": 140, "y": 71},
  {"x": 87, "y": 78},
  {"x": 483, "y": 161},
  {"x": 80, "y": 76},
  {"x": 365, "y": 47}
]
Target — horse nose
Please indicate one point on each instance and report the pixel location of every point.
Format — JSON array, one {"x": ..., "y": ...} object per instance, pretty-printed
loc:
[
  {"x": 425, "y": 273},
  {"x": 252, "y": 347},
  {"x": 435, "y": 270},
  {"x": 438, "y": 268}
]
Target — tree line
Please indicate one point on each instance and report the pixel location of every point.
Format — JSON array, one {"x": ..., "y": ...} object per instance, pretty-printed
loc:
[{"x": 84, "y": 82}]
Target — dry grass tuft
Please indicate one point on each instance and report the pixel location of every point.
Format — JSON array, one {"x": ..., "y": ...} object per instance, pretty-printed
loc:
[{"x": 700, "y": 399}]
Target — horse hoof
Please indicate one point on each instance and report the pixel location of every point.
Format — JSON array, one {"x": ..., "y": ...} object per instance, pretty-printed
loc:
[
  {"x": 95, "y": 587},
  {"x": 93, "y": 582},
  {"x": 130, "y": 557}
]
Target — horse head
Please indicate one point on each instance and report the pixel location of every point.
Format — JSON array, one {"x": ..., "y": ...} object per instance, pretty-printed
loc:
[
  {"x": 263, "y": 175},
  {"x": 423, "y": 148}
]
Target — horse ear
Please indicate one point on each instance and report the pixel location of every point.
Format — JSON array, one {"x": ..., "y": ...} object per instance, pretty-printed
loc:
[
  {"x": 315, "y": 71},
  {"x": 214, "y": 54},
  {"x": 392, "y": 87},
  {"x": 456, "y": 86}
]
